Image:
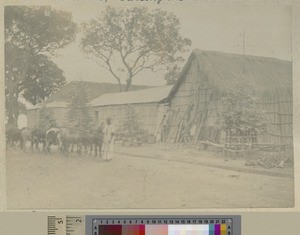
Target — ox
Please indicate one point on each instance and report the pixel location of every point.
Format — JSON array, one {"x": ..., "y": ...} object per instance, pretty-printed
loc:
[
  {"x": 53, "y": 138},
  {"x": 13, "y": 136},
  {"x": 38, "y": 135}
]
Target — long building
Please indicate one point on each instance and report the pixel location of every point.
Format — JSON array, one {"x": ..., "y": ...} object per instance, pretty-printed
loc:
[
  {"x": 146, "y": 106},
  {"x": 58, "y": 103}
]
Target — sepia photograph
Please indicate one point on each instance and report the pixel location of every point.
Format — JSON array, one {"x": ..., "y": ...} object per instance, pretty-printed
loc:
[{"x": 148, "y": 106}]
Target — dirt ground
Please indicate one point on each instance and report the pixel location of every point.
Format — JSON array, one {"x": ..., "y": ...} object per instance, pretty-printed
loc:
[{"x": 139, "y": 177}]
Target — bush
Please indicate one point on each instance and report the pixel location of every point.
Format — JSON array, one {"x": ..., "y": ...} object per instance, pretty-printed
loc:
[{"x": 46, "y": 118}]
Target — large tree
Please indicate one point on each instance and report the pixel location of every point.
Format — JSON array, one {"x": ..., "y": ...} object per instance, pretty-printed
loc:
[
  {"x": 31, "y": 35},
  {"x": 43, "y": 79},
  {"x": 79, "y": 114},
  {"x": 131, "y": 40}
]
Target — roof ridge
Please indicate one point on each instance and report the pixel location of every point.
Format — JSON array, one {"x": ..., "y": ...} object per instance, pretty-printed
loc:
[{"x": 131, "y": 97}]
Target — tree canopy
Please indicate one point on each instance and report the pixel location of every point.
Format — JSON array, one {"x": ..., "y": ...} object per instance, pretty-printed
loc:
[
  {"x": 79, "y": 114},
  {"x": 43, "y": 78},
  {"x": 38, "y": 29},
  {"x": 32, "y": 34},
  {"x": 131, "y": 40}
]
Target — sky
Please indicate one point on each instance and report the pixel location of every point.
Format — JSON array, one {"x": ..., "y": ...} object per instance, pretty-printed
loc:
[{"x": 253, "y": 30}]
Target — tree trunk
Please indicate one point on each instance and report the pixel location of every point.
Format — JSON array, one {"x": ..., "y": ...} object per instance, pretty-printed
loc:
[
  {"x": 128, "y": 83},
  {"x": 120, "y": 86},
  {"x": 13, "y": 108},
  {"x": 13, "y": 92}
]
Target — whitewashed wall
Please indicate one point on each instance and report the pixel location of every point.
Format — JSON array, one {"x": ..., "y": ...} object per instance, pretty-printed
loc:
[{"x": 149, "y": 115}]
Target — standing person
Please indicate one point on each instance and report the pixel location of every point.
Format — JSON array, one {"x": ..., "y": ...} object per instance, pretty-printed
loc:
[{"x": 109, "y": 133}]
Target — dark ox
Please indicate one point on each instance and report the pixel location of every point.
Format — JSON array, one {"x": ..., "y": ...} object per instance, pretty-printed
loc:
[
  {"x": 89, "y": 140},
  {"x": 98, "y": 137},
  {"x": 13, "y": 136},
  {"x": 93, "y": 140},
  {"x": 38, "y": 136},
  {"x": 68, "y": 139}
]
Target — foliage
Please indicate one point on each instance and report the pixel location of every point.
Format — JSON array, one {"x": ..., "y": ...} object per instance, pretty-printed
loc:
[
  {"x": 46, "y": 118},
  {"x": 79, "y": 114},
  {"x": 131, "y": 40},
  {"x": 31, "y": 35},
  {"x": 172, "y": 75},
  {"x": 240, "y": 112},
  {"x": 131, "y": 122},
  {"x": 38, "y": 29},
  {"x": 43, "y": 79}
]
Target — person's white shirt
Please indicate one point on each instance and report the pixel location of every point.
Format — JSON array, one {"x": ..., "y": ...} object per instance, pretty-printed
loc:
[{"x": 108, "y": 131}]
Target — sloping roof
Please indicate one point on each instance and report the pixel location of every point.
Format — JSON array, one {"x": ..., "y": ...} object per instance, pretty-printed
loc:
[
  {"x": 223, "y": 69},
  {"x": 151, "y": 95},
  {"x": 94, "y": 89}
]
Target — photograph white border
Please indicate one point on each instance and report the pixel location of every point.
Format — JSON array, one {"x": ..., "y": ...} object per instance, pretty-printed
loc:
[{"x": 296, "y": 128}]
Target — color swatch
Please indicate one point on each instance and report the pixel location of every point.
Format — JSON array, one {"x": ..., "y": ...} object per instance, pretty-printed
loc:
[
  {"x": 164, "y": 229},
  {"x": 157, "y": 229},
  {"x": 133, "y": 230}
]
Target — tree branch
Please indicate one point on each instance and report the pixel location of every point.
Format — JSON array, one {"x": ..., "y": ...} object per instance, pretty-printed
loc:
[
  {"x": 125, "y": 63},
  {"x": 140, "y": 56}
]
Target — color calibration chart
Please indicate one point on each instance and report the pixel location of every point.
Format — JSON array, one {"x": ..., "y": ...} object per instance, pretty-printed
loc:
[{"x": 193, "y": 225}]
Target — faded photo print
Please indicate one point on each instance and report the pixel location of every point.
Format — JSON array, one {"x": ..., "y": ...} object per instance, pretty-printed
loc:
[{"x": 135, "y": 106}]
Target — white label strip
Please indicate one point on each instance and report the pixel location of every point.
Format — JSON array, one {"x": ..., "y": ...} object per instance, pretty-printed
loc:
[
  {"x": 56, "y": 225},
  {"x": 75, "y": 225}
]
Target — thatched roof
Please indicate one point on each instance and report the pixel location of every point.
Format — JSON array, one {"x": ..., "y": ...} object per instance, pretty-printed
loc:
[
  {"x": 93, "y": 89},
  {"x": 224, "y": 69},
  {"x": 150, "y": 95}
]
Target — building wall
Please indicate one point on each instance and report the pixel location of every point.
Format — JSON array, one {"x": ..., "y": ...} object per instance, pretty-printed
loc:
[
  {"x": 186, "y": 90},
  {"x": 196, "y": 90},
  {"x": 32, "y": 118},
  {"x": 22, "y": 120},
  {"x": 277, "y": 108},
  {"x": 60, "y": 115},
  {"x": 148, "y": 115}
]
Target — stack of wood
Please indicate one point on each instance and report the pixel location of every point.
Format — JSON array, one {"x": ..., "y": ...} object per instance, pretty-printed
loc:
[
  {"x": 189, "y": 125},
  {"x": 182, "y": 122}
]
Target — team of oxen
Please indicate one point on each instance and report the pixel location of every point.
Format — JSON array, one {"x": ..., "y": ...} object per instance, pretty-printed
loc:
[{"x": 66, "y": 140}]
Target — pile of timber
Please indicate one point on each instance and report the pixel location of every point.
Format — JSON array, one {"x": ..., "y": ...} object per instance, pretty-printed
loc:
[{"x": 190, "y": 124}]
